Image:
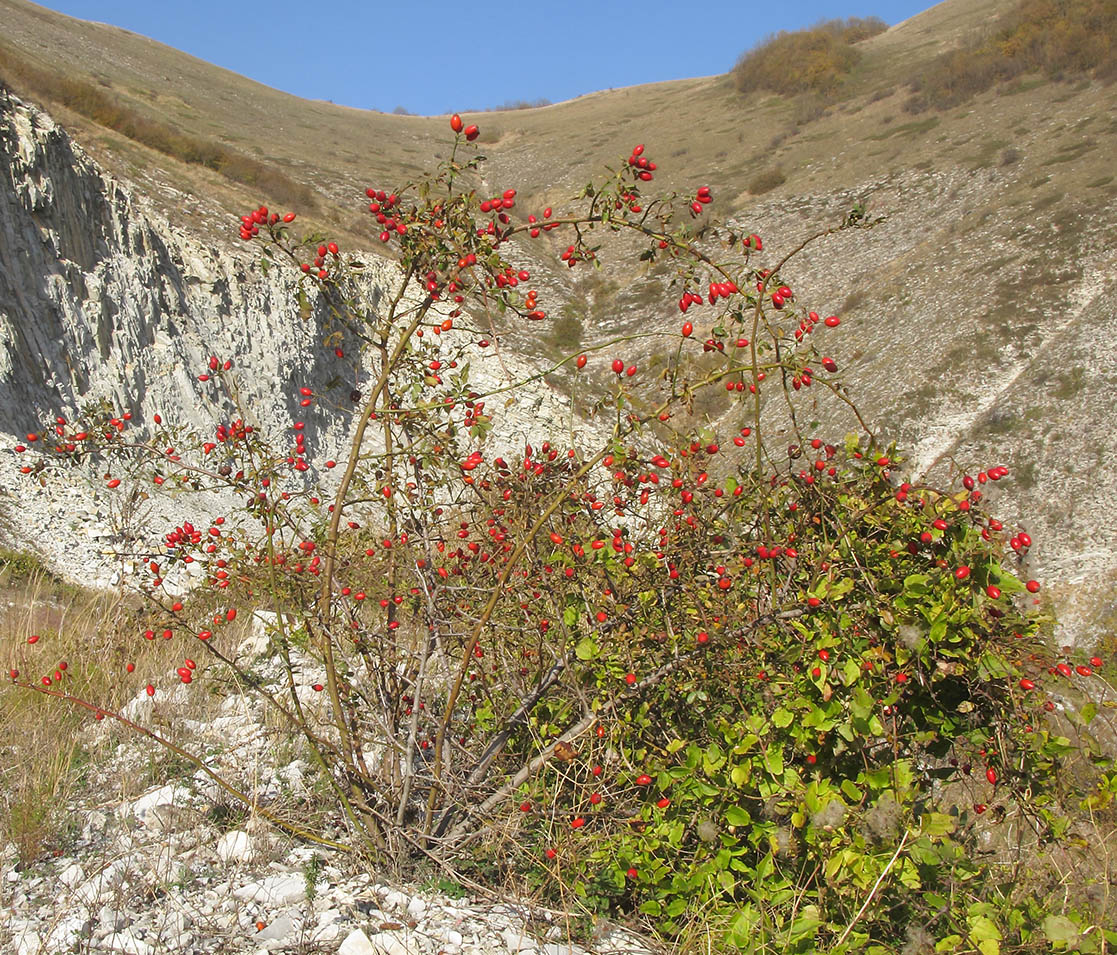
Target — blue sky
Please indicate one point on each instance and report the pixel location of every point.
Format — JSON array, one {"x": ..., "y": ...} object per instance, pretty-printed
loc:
[{"x": 432, "y": 56}]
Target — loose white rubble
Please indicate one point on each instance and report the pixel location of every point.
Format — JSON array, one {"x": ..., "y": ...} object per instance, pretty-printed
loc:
[
  {"x": 113, "y": 895},
  {"x": 165, "y": 870}
]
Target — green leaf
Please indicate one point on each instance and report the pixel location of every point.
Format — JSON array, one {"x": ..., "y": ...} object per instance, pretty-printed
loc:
[
  {"x": 936, "y": 824},
  {"x": 1058, "y": 928},
  {"x": 676, "y": 907},
  {"x": 740, "y": 774},
  {"x": 1088, "y": 712},
  {"x": 860, "y": 704},
  {"x": 713, "y": 759},
  {"x": 851, "y": 791},
  {"x": 782, "y": 718},
  {"x": 743, "y": 926},
  {"x": 938, "y": 629},
  {"x": 879, "y": 778},
  {"x": 917, "y": 585},
  {"x": 587, "y": 649},
  {"x": 773, "y": 761},
  {"x": 851, "y": 671},
  {"x": 935, "y": 900},
  {"x": 983, "y": 929},
  {"x": 837, "y": 862},
  {"x": 909, "y": 875},
  {"x": 737, "y": 816},
  {"x": 992, "y": 667},
  {"x": 806, "y": 924},
  {"x": 1058, "y": 746},
  {"x": 1008, "y": 582}
]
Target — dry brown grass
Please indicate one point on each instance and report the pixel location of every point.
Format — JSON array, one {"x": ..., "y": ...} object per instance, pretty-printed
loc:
[
  {"x": 1052, "y": 37},
  {"x": 94, "y": 103},
  {"x": 547, "y": 153},
  {"x": 47, "y": 749}
]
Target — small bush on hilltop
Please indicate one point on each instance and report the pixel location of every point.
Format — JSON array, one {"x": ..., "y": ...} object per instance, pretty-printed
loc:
[
  {"x": 516, "y": 104},
  {"x": 815, "y": 60},
  {"x": 727, "y": 671}
]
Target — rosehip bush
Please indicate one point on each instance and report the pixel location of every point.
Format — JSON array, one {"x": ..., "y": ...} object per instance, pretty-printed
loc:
[{"x": 705, "y": 666}]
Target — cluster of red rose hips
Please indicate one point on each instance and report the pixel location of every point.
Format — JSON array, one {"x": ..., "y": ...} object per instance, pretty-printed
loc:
[
  {"x": 718, "y": 290},
  {"x": 47, "y": 679},
  {"x": 641, "y": 165},
  {"x": 632, "y": 201},
  {"x": 234, "y": 432},
  {"x": 571, "y": 257},
  {"x": 108, "y": 430},
  {"x": 805, "y": 377},
  {"x": 182, "y": 536},
  {"x": 381, "y": 205},
  {"x": 181, "y": 539},
  {"x": 1082, "y": 669},
  {"x": 537, "y": 226},
  {"x": 510, "y": 277},
  {"x": 806, "y": 326},
  {"x": 993, "y": 474},
  {"x": 295, "y": 564},
  {"x": 319, "y": 262},
  {"x": 715, "y": 291},
  {"x": 471, "y": 132},
  {"x": 474, "y": 413},
  {"x": 298, "y": 460},
  {"x": 250, "y": 223},
  {"x": 688, "y": 299},
  {"x": 500, "y": 204},
  {"x": 214, "y": 366},
  {"x": 619, "y": 368},
  {"x": 703, "y": 198},
  {"x": 780, "y": 297}
]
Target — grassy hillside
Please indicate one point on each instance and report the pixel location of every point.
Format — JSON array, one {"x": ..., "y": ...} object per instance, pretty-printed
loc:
[
  {"x": 125, "y": 95},
  {"x": 990, "y": 283}
]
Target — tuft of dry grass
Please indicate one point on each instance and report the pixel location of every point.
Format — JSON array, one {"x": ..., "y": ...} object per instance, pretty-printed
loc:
[{"x": 766, "y": 181}]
